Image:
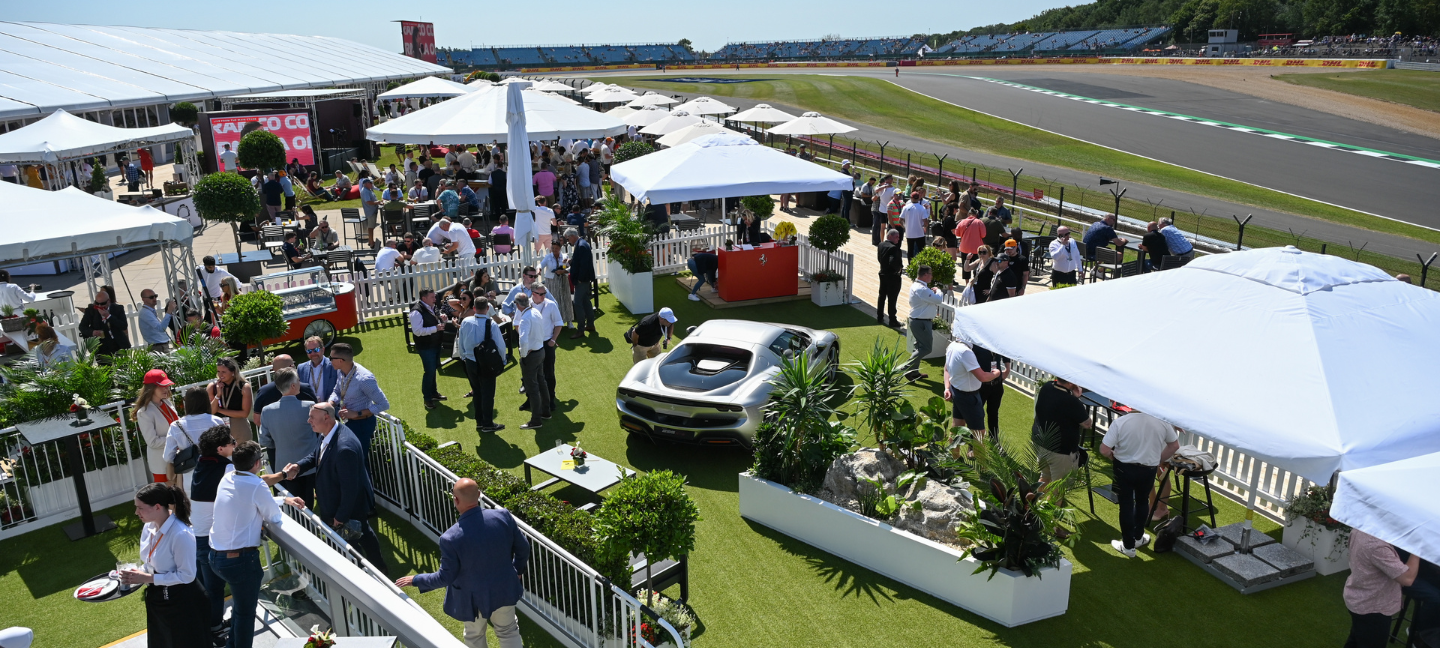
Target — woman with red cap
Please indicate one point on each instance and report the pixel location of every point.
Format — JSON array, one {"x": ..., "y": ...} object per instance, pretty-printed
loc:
[{"x": 154, "y": 414}]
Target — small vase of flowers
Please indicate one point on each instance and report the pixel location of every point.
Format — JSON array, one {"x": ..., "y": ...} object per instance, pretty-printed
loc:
[
  {"x": 578, "y": 454},
  {"x": 81, "y": 409},
  {"x": 318, "y": 639}
]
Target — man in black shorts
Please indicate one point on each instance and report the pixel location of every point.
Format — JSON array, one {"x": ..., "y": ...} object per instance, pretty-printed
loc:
[{"x": 963, "y": 379}]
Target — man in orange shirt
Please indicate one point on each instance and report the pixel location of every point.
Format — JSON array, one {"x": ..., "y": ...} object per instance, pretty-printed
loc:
[{"x": 971, "y": 232}]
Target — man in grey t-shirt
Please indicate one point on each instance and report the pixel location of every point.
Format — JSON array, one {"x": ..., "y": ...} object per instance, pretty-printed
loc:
[{"x": 371, "y": 203}]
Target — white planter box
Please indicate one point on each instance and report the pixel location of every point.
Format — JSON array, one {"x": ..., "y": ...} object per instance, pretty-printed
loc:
[
  {"x": 635, "y": 291},
  {"x": 59, "y": 496},
  {"x": 1009, "y": 599},
  {"x": 1330, "y": 553},
  {"x": 827, "y": 293},
  {"x": 107, "y": 195}
]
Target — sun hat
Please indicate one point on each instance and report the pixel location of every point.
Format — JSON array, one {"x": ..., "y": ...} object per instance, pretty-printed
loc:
[{"x": 158, "y": 377}]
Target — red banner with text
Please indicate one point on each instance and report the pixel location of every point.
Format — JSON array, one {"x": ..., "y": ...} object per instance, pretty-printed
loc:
[
  {"x": 293, "y": 129},
  {"x": 419, "y": 40}
]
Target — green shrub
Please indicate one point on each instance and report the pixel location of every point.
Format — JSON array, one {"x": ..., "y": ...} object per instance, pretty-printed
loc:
[
  {"x": 829, "y": 233},
  {"x": 940, "y": 264},
  {"x": 226, "y": 197},
  {"x": 650, "y": 514},
  {"x": 631, "y": 150},
  {"x": 261, "y": 149},
  {"x": 761, "y": 206},
  {"x": 98, "y": 182},
  {"x": 254, "y": 317},
  {"x": 797, "y": 442},
  {"x": 184, "y": 113}
]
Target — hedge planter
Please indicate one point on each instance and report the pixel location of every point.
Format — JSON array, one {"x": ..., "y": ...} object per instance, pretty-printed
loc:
[
  {"x": 1329, "y": 549},
  {"x": 1009, "y": 599},
  {"x": 827, "y": 293},
  {"x": 635, "y": 291}
]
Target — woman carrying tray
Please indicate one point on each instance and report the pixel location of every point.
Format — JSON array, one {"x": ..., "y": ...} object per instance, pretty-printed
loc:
[{"x": 176, "y": 608}]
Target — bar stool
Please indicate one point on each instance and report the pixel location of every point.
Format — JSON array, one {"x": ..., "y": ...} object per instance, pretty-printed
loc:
[{"x": 1190, "y": 476}]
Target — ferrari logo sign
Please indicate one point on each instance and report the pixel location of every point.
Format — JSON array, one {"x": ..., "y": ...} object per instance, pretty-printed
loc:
[{"x": 763, "y": 260}]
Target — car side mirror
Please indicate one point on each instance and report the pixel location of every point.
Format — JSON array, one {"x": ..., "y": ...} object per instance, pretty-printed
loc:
[{"x": 690, "y": 330}]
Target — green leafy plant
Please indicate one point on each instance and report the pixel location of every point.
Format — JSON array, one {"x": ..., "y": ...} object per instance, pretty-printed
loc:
[
  {"x": 184, "y": 113},
  {"x": 876, "y": 501},
  {"x": 28, "y": 393},
  {"x": 261, "y": 149},
  {"x": 648, "y": 514},
  {"x": 1020, "y": 525},
  {"x": 761, "y": 206},
  {"x": 797, "y": 442},
  {"x": 941, "y": 266},
  {"x": 98, "y": 182},
  {"x": 254, "y": 317},
  {"x": 7, "y": 311},
  {"x": 1314, "y": 505},
  {"x": 829, "y": 233},
  {"x": 631, "y": 150},
  {"x": 628, "y": 234},
  {"x": 226, "y": 197}
]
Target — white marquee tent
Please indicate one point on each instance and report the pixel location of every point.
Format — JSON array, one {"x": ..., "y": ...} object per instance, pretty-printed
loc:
[
  {"x": 722, "y": 166},
  {"x": 42, "y": 225},
  {"x": 63, "y": 136},
  {"x": 428, "y": 88},
  {"x": 479, "y": 118},
  {"x": 1394, "y": 502},
  {"x": 1310, "y": 362}
]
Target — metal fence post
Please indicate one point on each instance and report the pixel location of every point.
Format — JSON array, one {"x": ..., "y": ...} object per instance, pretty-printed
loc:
[
  {"x": 1060, "y": 211},
  {"x": 1241, "y": 237},
  {"x": 1425, "y": 267},
  {"x": 907, "y": 166}
]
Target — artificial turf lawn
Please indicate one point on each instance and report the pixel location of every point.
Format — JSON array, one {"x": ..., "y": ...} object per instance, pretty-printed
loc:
[
  {"x": 750, "y": 586},
  {"x": 1418, "y": 88},
  {"x": 883, "y": 104}
]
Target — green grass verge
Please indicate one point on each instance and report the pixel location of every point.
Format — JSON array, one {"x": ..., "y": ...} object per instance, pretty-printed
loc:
[
  {"x": 750, "y": 586},
  {"x": 885, "y": 105},
  {"x": 1417, "y": 88}
]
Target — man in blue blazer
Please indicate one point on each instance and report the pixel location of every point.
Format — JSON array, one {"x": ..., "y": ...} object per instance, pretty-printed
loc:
[
  {"x": 343, "y": 495},
  {"x": 482, "y": 561},
  {"x": 317, "y": 373}
]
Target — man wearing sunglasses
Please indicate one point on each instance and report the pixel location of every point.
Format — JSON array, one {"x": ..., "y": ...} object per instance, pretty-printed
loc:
[
  {"x": 1065, "y": 259},
  {"x": 528, "y": 276},
  {"x": 317, "y": 372}
]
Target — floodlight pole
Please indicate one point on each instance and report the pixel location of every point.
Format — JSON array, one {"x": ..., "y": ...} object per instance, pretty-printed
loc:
[
  {"x": 1242, "y": 224},
  {"x": 882, "y": 155},
  {"x": 940, "y": 172}
]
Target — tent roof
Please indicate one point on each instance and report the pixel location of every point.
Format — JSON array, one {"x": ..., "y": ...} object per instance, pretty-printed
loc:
[
  {"x": 479, "y": 118},
  {"x": 429, "y": 87},
  {"x": 1393, "y": 503},
  {"x": 722, "y": 166},
  {"x": 811, "y": 123},
  {"x": 49, "y": 66},
  {"x": 63, "y": 136},
  {"x": 694, "y": 131},
  {"x": 1311, "y": 362},
  {"x": 39, "y": 224},
  {"x": 297, "y": 94}
]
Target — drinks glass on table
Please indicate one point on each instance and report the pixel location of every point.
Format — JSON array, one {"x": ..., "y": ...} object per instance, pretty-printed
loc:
[{"x": 559, "y": 447}]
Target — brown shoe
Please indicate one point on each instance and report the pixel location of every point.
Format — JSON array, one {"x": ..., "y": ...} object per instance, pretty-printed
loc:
[
  {"x": 577, "y": 335},
  {"x": 591, "y": 329}
]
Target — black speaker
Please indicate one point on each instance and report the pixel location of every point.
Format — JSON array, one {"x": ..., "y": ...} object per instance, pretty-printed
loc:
[{"x": 355, "y": 109}]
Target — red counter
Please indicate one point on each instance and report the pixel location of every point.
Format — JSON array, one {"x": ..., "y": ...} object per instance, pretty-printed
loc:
[{"x": 763, "y": 272}]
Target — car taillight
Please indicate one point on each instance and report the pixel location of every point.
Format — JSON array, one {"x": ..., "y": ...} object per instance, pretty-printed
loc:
[{"x": 730, "y": 408}]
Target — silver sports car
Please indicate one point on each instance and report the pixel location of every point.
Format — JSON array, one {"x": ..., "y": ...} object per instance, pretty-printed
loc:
[{"x": 709, "y": 389}]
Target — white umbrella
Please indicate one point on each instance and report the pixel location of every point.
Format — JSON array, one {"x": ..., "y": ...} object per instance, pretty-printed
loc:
[
  {"x": 693, "y": 132},
  {"x": 555, "y": 96},
  {"x": 762, "y": 113},
  {"x": 480, "y": 118},
  {"x": 596, "y": 87},
  {"x": 614, "y": 95},
  {"x": 645, "y": 116},
  {"x": 480, "y": 83},
  {"x": 621, "y": 112},
  {"x": 1392, "y": 502},
  {"x": 811, "y": 123},
  {"x": 552, "y": 86},
  {"x": 677, "y": 120},
  {"x": 518, "y": 178},
  {"x": 705, "y": 106},
  {"x": 652, "y": 99},
  {"x": 723, "y": 166},
  {"x": 428, "y": 87}
]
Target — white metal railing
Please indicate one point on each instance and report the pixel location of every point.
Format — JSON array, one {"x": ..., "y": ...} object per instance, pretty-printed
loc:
[
  {"x": 1248, "y": 480},
  {"x": 573, "y": 602}
]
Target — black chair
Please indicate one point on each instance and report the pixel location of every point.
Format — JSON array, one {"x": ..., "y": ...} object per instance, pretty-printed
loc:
[
  {"x": 1132, "y": 268},
  {"x": 1040, "y": 253},
  {"x": 272, "y": 238},
  {"x": 338, "y": 262},
  {"x": 1170, "y": 262},
  {"x": 1106, "y": 264},
  {"x": 349, "y": 216},
  {"x": 1182, "y": 481}
]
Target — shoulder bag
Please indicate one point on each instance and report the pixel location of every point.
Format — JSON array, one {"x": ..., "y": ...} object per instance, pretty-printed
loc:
[
  {"x": 187, "y": 457},
  {"x": 487, "y": 355}
]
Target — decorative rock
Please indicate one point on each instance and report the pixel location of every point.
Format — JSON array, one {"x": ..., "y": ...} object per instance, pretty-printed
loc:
[
  {"x": 1231, "y": 533},
  {"x": 1245, "y": 569},
  {"x": 1206, "y": 552},
  {"x": 842, "y": 478},
  {"x": 1286, "y": 560},
  {"x": 942, "y": 507}
]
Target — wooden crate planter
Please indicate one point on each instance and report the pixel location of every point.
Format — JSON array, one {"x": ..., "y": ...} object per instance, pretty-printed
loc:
[{"x": 1010, "y": 598}]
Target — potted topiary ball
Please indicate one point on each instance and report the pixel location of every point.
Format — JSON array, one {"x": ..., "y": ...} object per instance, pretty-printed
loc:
[{"x": 829, "y": 233}]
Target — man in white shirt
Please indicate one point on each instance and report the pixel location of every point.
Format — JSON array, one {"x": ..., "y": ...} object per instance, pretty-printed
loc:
[
  {"x": 13, "y": 295},
  {"x": 916, "y": 218},
  {"x": 924, "y": 306},
  {"x": 544, "y": 224},
  {"x": 554, "y": 323},
  {"x": 242, "y": 504},
  {"x": 213, "y": 276},
  {"x": 466, "y": 160},
  {"x": 452, "y": 239},
  {"x": 1065, "y": 259},
  {"x": 534, "y": 330},
  {"x": 1137, "y": 444},
  {"x": 427, "y": 254},
  {"x": 388, "y": 257},
  {"x": 228, "y": 159},
  {"x": 963, "y": 379}
]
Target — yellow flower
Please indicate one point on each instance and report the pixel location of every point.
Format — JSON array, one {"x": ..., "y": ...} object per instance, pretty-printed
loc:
[{"x": 784, "y": 229}]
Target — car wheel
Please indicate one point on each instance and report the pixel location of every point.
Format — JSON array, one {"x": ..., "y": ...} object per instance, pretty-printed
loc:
[{"x": 832, "y": 363}]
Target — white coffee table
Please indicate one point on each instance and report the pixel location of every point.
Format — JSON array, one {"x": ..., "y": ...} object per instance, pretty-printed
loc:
[{"x": 594, "y": 476}]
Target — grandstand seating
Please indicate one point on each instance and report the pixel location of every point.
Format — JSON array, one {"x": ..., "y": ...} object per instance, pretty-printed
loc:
[
  {"x": 1019, "y": 42},
  {"x": 1062, "y": 40},
  {"x": 519, "y": 55}
]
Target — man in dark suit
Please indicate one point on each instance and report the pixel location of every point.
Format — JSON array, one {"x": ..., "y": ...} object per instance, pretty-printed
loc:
[
  {"x": 317, "y": 373},
  {"x": 891, "y": 267},
  {"x": 271, "y": 393},
  {"x": 344, "y": 497},
  {"x": 285, "y": 431},
  {"x": 482, "y": 564},
  {"x": 582, "y": 272}
]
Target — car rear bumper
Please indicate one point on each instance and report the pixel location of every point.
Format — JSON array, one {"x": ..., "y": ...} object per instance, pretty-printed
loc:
[{"x": 698, "y": 428}]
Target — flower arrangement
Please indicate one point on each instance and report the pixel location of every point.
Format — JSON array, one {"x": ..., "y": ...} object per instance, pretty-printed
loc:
[
  {"x": 318, "y": 639},
  {"x": 578, "y": 454},
  {"x": 32, "y": 319},
  {"x": 677, "y": 614},
  {"x": 81, "y": 409},
  {"x": 1314, "y": 505}
]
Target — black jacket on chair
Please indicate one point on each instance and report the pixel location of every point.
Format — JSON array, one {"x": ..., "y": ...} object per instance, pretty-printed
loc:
[{"x": 342, "y": 482}]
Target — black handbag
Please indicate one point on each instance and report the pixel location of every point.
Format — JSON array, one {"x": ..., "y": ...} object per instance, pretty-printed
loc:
[
  {"x": 187, "y": 457},
  {"x": 1167, "y": 532},
  {"x": 630, "y": 335}
]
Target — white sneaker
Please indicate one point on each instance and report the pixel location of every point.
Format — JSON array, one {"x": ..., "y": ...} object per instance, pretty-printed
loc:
[
  {"x": 1119, "y": 545},
  {"x": 694, "y": 297},
  {"x": 1144, "y": 540}
]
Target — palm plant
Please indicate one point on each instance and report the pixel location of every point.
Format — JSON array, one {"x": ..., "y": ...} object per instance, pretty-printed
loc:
[
  {"x": 29, "y": 393},
  {"x": 798, "y": 441},
  {"x": 628, "y": 235},
  {"x": 881, "y": 391}
]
